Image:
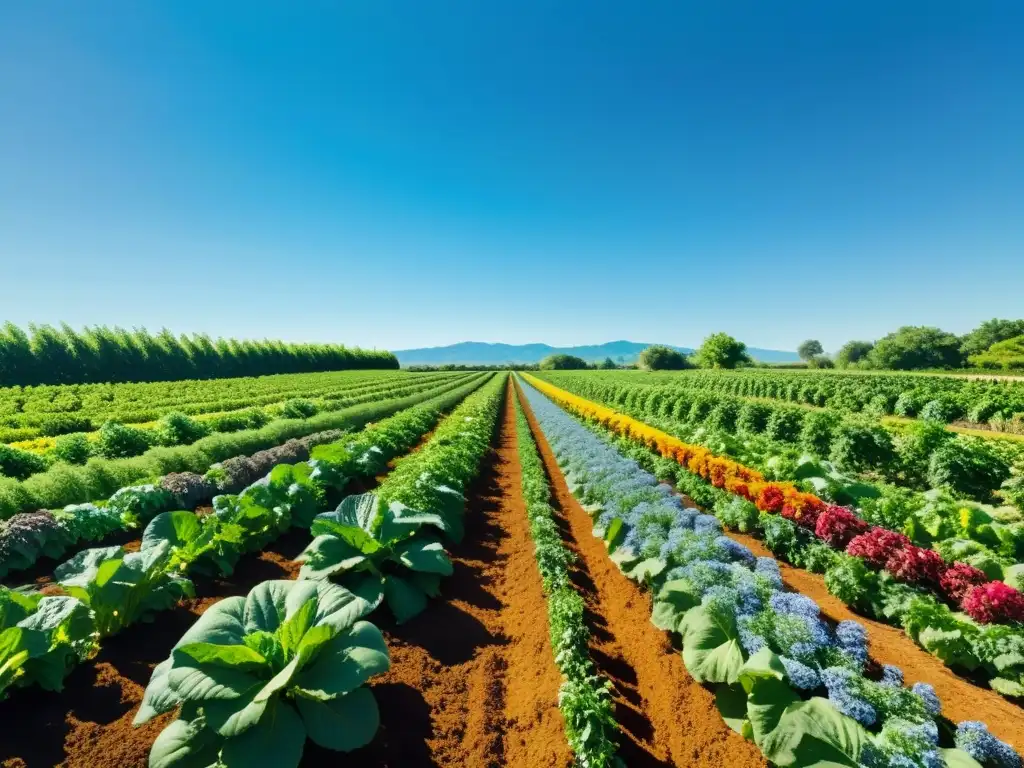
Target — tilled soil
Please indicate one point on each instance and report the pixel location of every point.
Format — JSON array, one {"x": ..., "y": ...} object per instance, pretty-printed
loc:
[
  {"x": 473, "y": 681},
  {"x": 667, "y": 718},
  {"x": 961, "y": 699}
]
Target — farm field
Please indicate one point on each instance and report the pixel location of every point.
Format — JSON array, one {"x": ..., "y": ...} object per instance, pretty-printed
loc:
[{"x": 554, "y": 569}]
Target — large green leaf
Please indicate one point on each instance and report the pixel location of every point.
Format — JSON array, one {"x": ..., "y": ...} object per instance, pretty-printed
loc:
[
  {"x": 276, "y": 743},
  {"x": 814, "y": 733},
  {"x": 731, "y": 701},
  {"x": 763, "y": 678},
  {"x": 957, "y": 758},
  {"x": 295, "y": 627},
  {"x": 338, "y": 607},
  {"x": 184, "y": 744},
  {"x": 79, "y": 571},
  {"x": 341, "y": 724},
  {"x": 192, "y": 681},
  {"x": 358, "y": 510},
  {"x": 673, "y": 600},
  {"x": 711, "y": 647},
  {"x": 221, "y": 623},
  {"x": 239, "y": 657},
  {"x": 158, "y": 697},
  {"x": 647, "y": 570},
  {"x": 345, "y": 663},
  {"x": 425, "y": 555},
  {"x": 399, "y": 521},
  {"x": 271, "y": 602},
  {"x": 178, "y": 528},
  {"x": 327, "y": 555},
  {"x": 403, "y": 598},
  {"x": 232, "y": 717}
]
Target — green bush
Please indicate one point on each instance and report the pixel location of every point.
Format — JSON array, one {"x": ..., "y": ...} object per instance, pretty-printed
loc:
[
  {"x": 662, "y": 358},
  {"x": 880, "y": 405},
  {"x": 249, "y": 418},
  {"x": 940, "y": 410},
  {"x": 63, "y": 423},
  {"x": 73, "y": 448},
  {"x": 297, "y": 408},
  {"x": 178, "y": 429},
  {"x": 723, "y": 416},
  {"x": 562, "y": 362},
  {"x": 738, "y": 515},
  {"x": 119, "y": 441},
  {"x": 753, "y": 417},
  {"x": 19, "y": 464},
  {"x": 916, "y": 446},
  {"x": 785, "y": 424},
  {"x": 861, "y": 445},
  {"x": 908, "y": 404},
  {"x": 967, "y": 468},
  {"x": 817, "y": 431}
]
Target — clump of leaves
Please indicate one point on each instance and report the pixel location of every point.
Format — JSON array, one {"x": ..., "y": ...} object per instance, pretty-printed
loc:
[{"x": 255, "y": 676}]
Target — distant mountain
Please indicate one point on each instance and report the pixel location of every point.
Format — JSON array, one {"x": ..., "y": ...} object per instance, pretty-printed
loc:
[{"x": 482, "y": 353}]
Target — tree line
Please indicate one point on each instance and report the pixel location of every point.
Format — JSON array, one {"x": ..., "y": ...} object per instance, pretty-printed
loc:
[
  {"x": 993, "y": 345},
  {"x": 47, "y": 355}
]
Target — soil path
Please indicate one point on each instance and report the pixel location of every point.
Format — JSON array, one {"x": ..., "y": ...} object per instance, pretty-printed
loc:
[
  {"x": 667, "y": 718},
  {"x": 961, "y": 699},
  {"x": 473, "y": 681}
]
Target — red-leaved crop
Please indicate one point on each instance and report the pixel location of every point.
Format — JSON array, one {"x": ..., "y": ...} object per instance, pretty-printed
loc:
[
  {"x": 959, "y": 579},
  {"x": 877, "y": 545},
  {"x": 838, "y": 525},
  {"x": 994, "y": 602}
]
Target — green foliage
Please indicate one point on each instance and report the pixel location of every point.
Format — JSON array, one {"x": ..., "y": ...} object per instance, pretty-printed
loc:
[
  {"x": 62, "y": 423},
  {"x": 916, "y": 445},
  {"x": 47, "y": 355},
  {"x": 916, "y": 347},
  {"x": 738, "y": 515},
  {"x": 720, "y": 350},
  {"x": 178, "y": 429},
  {"x": 851, "y": 581},
  {"x": 297, "y": 408},
  {"x": 607, "y": 364},
  {"x": 861, "y": 445},
  {"x": 662, "y": 358},
  {"x": 562, "y": 362},
  {"x": 968, "y": 468},
  {"x": 785, "y": 424},
  {"x": 1008, "y": 355},
  {"x": 853, "y": 352},
  {"x": 41, "y": 638},
  {"x": 255, "y": 676},
  {"x": 119, "y": 441},
  {"x": 753, "y": 417},
  {"x": 73, "y": 449},
  {"x": 121, "y": 588},
  {"x": 817, "y": 431},
  {"x": 20, "y": 464},
  {"x": 989, "y": 333},
  {"x": 810, "y": 349},
  {"x": 380, "y": 553},
  {"x": 940, "y": 410}
]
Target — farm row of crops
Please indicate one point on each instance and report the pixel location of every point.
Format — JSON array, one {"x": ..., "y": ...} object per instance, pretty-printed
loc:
[
  {"x": 288, "y": 606},
  {"x": 942, "y": 398}
]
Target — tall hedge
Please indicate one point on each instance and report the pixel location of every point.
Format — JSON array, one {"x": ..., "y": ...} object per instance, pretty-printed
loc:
[{"x": 48, "y": 355}]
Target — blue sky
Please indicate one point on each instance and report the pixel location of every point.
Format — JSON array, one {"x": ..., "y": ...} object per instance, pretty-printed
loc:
[{"x": 401, "y": 174}]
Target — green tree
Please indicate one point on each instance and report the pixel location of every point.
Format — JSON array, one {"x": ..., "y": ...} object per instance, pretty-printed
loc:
[
  {"x": 662, "y": 358},
  {"x": 720, "y": 350},
  {"x": 915, "y": 347},
  {"x": 990, "y": 332},
  {"x": 562, "y": 362},
  {"x": 607, "y": 364},
  {"x": 810, "y": 349},
  {"x": 853, "y": 352},
  {"x": 1008, "y": 354}
]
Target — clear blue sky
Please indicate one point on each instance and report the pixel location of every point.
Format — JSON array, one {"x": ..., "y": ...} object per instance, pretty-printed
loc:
[{"x": 413, "y": 173}]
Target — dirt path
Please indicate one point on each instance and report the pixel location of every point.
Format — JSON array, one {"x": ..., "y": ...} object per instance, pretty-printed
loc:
[
  {"x": 473, "y": 681},
  {"x": 961, "y": 699},
  {"x": 667, "y": 718}
]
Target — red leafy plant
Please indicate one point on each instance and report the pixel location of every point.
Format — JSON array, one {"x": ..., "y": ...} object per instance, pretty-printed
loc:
[
  {"x": 961, "y": 578},
  {"x": 994, "y": 602},
  {"x": 877, "y": 545},
  {"x": 837, "y": 526}
]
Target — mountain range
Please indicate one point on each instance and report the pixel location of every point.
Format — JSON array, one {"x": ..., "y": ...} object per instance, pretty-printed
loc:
[{"x": 483, "y": 353}]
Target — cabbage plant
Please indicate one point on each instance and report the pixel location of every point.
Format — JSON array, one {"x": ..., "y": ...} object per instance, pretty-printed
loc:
[
  {"x": 255, "y": 676},
  {"x": 41, "y": 638},
  {"x": 380, "y": 552},
  {"x": 121, "y": 587}
]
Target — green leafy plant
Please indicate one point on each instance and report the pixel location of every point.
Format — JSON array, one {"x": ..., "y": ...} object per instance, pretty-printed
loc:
[
  {"x": 382, "y": 553},
  {"x": 298, "y": 408},
  {"x": 119, "y": 441},
  {"x": 256, "y": 676},
  {"x": 967, "y": 468},
  {"x": 74, "y": 448},
  {"x": 176, "y": 428},
  {"x": 41, "y": 638},
  {"x": 121, "y": 588}
]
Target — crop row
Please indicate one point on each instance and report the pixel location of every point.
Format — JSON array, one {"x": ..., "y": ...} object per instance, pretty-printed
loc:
[
  {"x": 99, "y": 478},
  {"x": 27, "y": 537},
  {"x": 116, "y": 440},
  {"x": 944, "y": 398},
  {"x": 103, "y": 590},
  {"x": 922, "y": 455},
  {"x": 991, "y": 539},
  {"x": 872, "y": 569},
  {"x": 49, "y": 411},
  {"x": 800, "y": 687},
  {"x": 584, "y": 697},
  {"x": 256, "y": 676}
]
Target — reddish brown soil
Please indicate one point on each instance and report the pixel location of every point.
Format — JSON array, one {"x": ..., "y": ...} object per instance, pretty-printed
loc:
[
  {"x": 961, "y": 699},
  {"x": 473, "y": 680},
  {"x": 667, "y": 718}
]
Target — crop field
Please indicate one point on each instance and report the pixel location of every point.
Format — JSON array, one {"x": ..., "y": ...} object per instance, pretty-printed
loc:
[{"x": 483, "y": 568}]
